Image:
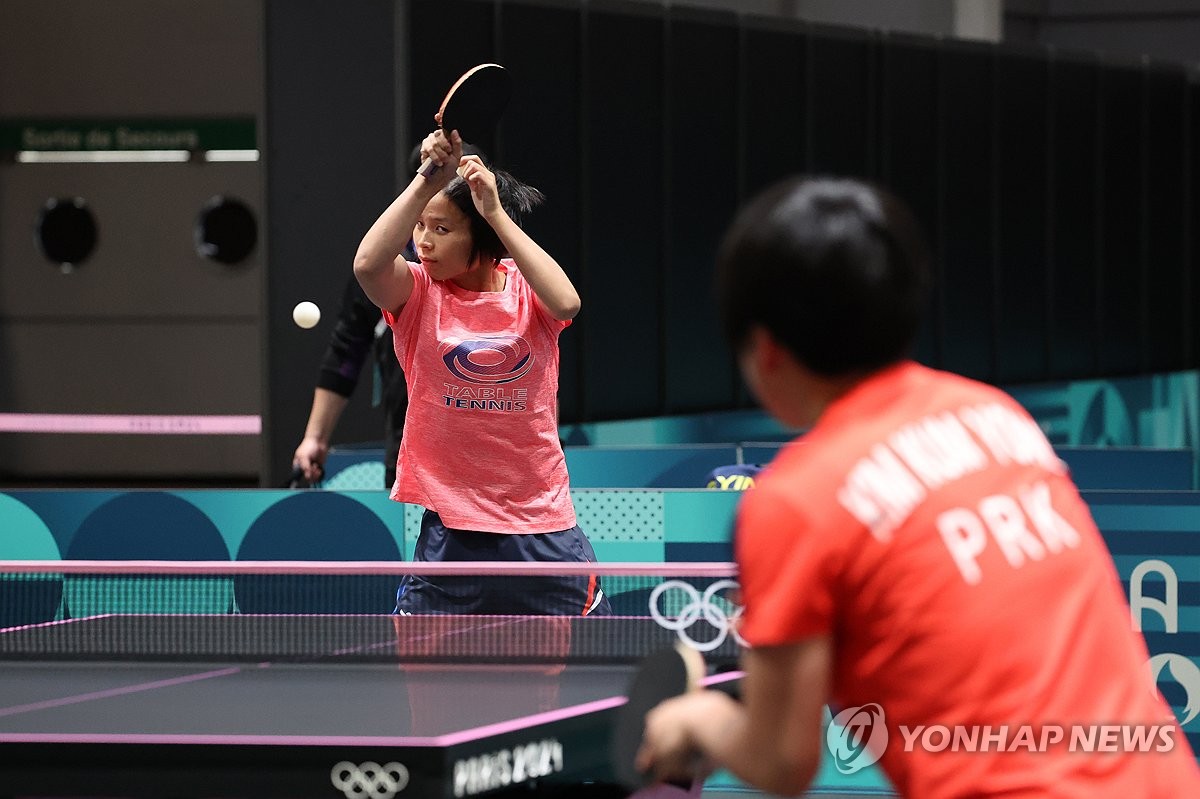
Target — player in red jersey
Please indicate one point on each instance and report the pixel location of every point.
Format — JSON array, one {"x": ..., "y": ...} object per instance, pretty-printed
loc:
[{"x": 923, "y": 561}]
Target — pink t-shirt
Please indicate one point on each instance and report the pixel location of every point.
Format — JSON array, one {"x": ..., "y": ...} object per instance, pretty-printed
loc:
[{"x": 480, "y": 444}]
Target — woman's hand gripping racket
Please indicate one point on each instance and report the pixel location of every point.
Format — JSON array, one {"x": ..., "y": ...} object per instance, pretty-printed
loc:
[
  {"x": 473, "y": 106},
  {"x": 663, "y": 675}
]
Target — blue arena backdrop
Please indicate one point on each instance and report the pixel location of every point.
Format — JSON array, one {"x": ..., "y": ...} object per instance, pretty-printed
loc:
[
  {"x": 645, "y": 526},
  {"x": 1154, "y": 537},
  {"x": 1157, "y": 410},
  {"x": 1129, "y": 433},
  {"x": 1119, "y": 416},
  {"x": 691, "y": 465}
]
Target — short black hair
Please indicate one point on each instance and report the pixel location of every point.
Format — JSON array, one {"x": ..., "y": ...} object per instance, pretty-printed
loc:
[
  {"x": 516, "y": 198},
  {"x": 835, "y": 269}
]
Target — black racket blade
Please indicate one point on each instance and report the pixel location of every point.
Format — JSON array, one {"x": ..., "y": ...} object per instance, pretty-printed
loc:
[
  {"x": 473, "y": 106},
  {"x": 476, "y": 102},
  {"x": 665, "y": 674}
]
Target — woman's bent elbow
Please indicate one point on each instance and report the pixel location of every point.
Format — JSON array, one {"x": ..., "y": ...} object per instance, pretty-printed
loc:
[
  {"x": 366, "y": 267},
  {"x": 567, "y": 310}
]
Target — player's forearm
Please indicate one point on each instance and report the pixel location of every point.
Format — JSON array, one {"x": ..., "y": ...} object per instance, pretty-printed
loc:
[
  {"x": 314, "y": 447},
  {"x": 326, "y": 410},
  {"x": 723, "y": 733},
  {"x": 772, "y": 736},
  {"x": 375, "y": 263},
  {"x": 390, "y": 233},
  {"x": 760, "y": 758},
  {"x": 547, "y": 279}
]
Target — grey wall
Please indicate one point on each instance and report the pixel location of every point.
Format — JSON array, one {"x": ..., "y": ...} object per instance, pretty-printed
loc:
[
  {"x": 1163, "y": 29},
  {"x": 145, "y": 326},
  {"x": 975, "y": 19}
]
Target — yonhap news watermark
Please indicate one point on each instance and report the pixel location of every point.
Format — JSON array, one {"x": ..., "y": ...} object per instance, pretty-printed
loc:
[
  {"x": 1040, "y": 738},
  {"x": 859, "y": 736}
]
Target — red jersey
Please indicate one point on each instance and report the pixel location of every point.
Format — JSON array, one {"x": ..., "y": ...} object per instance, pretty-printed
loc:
[{"x": 927, "y": 526}]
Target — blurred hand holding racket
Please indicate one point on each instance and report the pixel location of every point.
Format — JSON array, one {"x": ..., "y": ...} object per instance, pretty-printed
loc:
[
  {"x": 664, "y": 675},
  {"x": 473, "y": 107}
]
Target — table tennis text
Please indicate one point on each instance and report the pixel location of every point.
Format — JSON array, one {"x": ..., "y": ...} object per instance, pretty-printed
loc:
[{"x": 487, "y": 398}]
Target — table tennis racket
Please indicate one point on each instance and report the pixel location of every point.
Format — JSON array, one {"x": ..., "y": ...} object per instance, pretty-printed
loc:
[
  {"x": 296, "y": 478},
  {"x": 660, "y": 676},
  {"x": 473, "y": 106}
]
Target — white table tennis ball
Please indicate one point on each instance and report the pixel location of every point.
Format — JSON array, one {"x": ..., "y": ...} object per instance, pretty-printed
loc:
[{"x": 306, "y": 314}]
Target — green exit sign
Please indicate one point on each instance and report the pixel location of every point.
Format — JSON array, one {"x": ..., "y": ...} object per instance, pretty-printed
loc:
[{"x": 50, "y": 135}]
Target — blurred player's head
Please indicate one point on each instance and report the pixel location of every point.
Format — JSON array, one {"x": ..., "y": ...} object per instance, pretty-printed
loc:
[
  {"x": 834, "y": 270},
  {"x": 516, "y": 198}
]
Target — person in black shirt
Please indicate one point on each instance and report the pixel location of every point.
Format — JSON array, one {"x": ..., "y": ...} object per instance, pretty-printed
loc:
[{"x": 359, "y": 337}]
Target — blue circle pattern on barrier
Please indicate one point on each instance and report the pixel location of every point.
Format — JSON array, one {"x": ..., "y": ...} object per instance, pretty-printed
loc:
[
  {"x": 155, "y": 525},
  {"x": 313, "y": 525},
  {"x": 31, "y": 599},
  {"x": 147, "y": 525}
]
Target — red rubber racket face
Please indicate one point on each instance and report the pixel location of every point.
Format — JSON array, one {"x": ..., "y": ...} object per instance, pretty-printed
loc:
[
  {"x": 476, "y": 101},
  {"x": 665, "y": 674}
]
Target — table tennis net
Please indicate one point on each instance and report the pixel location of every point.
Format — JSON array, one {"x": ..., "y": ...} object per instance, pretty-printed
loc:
[{"x": 180, "y": 611}]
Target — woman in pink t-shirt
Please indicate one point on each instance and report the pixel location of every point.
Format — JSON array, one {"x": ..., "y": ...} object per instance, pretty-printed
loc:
[{"x": 476, "y": 324}]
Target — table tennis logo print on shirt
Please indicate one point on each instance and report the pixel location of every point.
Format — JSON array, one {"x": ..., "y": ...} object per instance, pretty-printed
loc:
[{"x": 487, "y": 363}]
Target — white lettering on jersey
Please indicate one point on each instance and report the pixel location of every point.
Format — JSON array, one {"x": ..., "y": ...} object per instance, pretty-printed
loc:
[
  {"x": 1026, "y": 530},
  {"x": 884, "y": 487},
  {"x": 1010, "y": 437},
  {"x": 881, "y": 492},
  {"x": 963, "y": 534},
  {"x": 938, "y": 449},
  {"x": 1004, "y": 519},
  {"x": 1056, "y": 532}
]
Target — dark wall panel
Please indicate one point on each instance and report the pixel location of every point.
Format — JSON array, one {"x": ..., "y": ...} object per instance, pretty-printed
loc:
[
  {"x": 1022, "y": 278},
  {"x": 841, "y": 95},
  {"x": 540, "y": 144},
  {"x": 967, "y": 245},
  {"x": 909, "y": 146},
  {"x": 330, "y": 151},
  {"x": 1057, "y": 191},
  {"x": 774, "y": 122},
  {"x": 700, "y": 132},
  {"x": 774, "y": 119},
  {"x": 1192, "y": 230},
  {"x": 1166, "y": 226},
  {"x": 1075, "y": 228},
  {"x": 1120, "y": 261},
  {"x": 623, "y": 192},
  {"x": 436, "y": 61}
]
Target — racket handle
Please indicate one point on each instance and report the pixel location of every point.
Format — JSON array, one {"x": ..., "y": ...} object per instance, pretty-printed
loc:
[
  {"x": 297, "y": 480},
  {"x": 428, "y": 168},
  {"x": 294, "y": 479}
]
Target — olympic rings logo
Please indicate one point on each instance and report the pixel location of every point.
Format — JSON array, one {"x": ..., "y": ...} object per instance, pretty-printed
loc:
[
  {"x": 697, "y": 605},
  {"x": 369, "y": 779}
]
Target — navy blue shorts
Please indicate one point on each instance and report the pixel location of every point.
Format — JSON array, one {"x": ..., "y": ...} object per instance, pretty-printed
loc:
[{"x": 559, "y": 596}]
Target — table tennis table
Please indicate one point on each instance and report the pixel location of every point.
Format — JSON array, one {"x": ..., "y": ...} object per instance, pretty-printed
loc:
[{"x": 232, "y": 724}]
